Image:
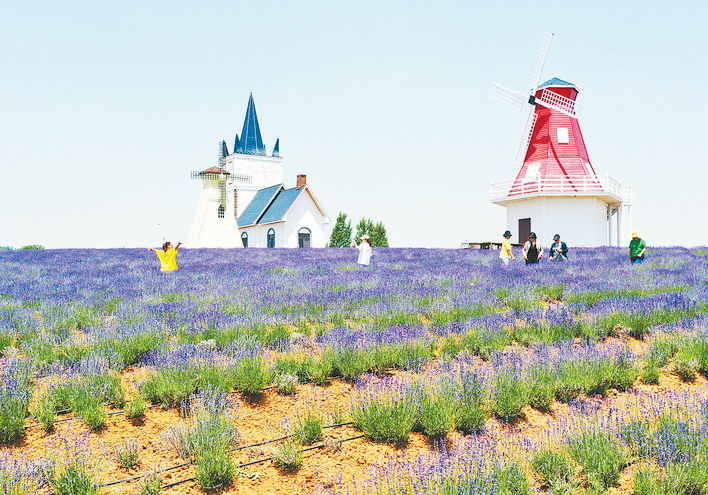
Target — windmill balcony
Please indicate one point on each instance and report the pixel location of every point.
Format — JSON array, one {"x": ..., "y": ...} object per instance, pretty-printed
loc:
[{"x": 608, "y": 189}]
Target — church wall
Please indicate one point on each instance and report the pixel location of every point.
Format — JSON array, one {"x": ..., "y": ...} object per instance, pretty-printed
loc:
[
  {"x": 579, "y": 221},
  {"x": 304, "y": 213},
  {"x": 258, "y": 235}
]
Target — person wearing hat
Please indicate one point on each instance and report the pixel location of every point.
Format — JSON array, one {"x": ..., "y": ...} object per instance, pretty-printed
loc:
[
  {"x": 533, "y": 252},
  {"x": 559, "y": 250},
  {"x": 505, "y": 255},
  {"x": 637, "y": 248},
  {"x": 364, "y": 251}
]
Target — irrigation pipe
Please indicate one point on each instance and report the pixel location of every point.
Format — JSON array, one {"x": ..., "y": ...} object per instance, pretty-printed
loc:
[
  {"x": 137, "y": 477},
  {"x": 61, "y": 420},
  {"x": 265, "y": 459}
]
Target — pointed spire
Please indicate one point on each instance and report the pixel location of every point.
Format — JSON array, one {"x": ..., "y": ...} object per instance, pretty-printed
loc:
[
  {"x": 224, "y": 150},
  {"x": 237, "y": 145},
  {"x": 251, "y": 142},
  {"x": 276, "y": 148}
]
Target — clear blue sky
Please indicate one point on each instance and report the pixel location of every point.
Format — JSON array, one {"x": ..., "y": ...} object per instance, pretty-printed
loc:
[{"x": 106, "y": 107}]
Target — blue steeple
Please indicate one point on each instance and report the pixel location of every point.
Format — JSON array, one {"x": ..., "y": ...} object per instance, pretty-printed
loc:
[
  {"x": 276, "y": 148},
  {"x": 224, "y": 150},
  {"x": 251, "y": 142},
  {"x": 237, "y": 145}
]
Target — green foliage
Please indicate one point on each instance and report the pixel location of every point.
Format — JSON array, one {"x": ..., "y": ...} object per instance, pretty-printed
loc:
[
  {"x": 342, "y": 232},
  {"x": 510, "y": 395},
  {"x": 385, "y": 420},
  {"x": 308, "y": 429},
  {"x": 44, "y": 412},
  {"x": 436, "y": 414},
  {"x": 74, "y": 481},
  {"x": 214, "y": 470},
  {"x": 555, "y": 468},
  {"x": 600, "y": 456},
  {"x": 135, "y": 409},
  {"x": 287, "y": 457},
  {"x": 286, "y": 384},
  {"x": 32, "y": 246},
  {"x": 376, "y": 232},
  {"x": 252, "y": 376},
  {"x": 512, "y": 481},
  {"x": 127, "y": 453}
]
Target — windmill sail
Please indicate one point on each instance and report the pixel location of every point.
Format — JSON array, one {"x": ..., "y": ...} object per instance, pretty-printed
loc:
[
  {"x": 539, "y": 61},
  {"x": 508, "y": 96}
]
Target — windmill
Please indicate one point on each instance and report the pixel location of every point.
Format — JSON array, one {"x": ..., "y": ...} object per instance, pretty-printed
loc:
[
  {"x": 557, "y": 187},
  {"x": 214, "y": 223}
]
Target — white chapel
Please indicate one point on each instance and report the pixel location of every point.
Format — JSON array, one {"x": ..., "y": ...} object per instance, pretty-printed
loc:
[{"x": 244, "y": 201}]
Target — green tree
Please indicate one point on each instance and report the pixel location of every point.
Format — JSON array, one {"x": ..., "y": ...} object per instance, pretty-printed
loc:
[
  {"x": 365, "y": 226},
  {"x": 342, "y": 232},
  {"x": 378, "y": 235},
  {"x": 376, "y": 232}
]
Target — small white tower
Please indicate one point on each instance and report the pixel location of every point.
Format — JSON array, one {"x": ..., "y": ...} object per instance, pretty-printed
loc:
[{"x": 214, "y": 224}]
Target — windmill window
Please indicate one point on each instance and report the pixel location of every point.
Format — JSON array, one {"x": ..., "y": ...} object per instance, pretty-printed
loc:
[
  {"x": 220, "y": 211},
  {"x": 563, "y": 135},
  {"x": 244, "y": 239},
  {"x": 271, "y": 238},
  {"x": 532, "y": 172}
]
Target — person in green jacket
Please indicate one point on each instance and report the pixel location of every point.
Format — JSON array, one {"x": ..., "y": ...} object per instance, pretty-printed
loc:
[{"x": 637, "y": 248}]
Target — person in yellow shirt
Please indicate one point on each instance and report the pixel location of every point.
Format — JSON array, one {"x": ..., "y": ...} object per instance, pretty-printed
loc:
[
  {"x": 168, "y": 256},
  {"x": 506, "y": 253}
]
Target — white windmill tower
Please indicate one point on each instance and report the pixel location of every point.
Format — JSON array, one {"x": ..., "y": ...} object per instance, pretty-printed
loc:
[
  {"x": 557, "y": 189},
  {"x": 214, "y": 224}
]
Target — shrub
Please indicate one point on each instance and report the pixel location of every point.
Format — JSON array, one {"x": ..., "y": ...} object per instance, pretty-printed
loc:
[
  {"x": 600, "y": 456},
  {"x": 308, "y": 429},
  {"x": 251, "y": 376},
  {"x": 385, "y": 419},
  {"x": 436, "y": 412},
  {"x": 44, "y": 412},
  {"x": 74, "y": 481},
  {"x": 215, "y": 469},
  {"x": 127, "y": 453},
  {"x": 510, "y": 395},
  {"x": 15, "y": 392},
  {"x": 286, "y": 384},
  {"x": 135, "y": 409},
  {"x": 556, "y": 469},
  {"x": 470, "y": 404},
  {"x": 287, "y": 457}
]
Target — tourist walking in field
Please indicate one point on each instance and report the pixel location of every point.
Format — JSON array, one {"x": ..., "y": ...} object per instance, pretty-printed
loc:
[
  {"x": 637, "y": 249},
  {"x": 364, "y": 250},
  {"x": 168, "y": 256},
  {"x": 559, "y": 250},
  {"x": 533, "y": 252},
  {"x": 505, "y": 255}
]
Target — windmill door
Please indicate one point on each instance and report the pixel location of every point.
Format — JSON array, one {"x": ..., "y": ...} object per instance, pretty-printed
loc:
[{"x": 524, "y": 229}]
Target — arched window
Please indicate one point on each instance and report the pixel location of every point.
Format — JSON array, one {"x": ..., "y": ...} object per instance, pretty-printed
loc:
[
  {"x": 303, "y": 237},
  {"x": 244, "y": 239},
  {"x": 271, "y": 238},
  {"x": 220, "y": 211}
]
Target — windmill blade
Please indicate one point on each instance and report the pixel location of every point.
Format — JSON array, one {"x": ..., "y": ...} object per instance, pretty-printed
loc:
[
  {"x": 526, "y": 137},
  {"x": 539, "y": 61},
  {"x": 508, "y": 96},
  {"x": 557, "y": 102}
]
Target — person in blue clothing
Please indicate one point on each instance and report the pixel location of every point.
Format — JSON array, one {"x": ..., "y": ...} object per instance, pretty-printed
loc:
[{"x": 559, "y": 250}]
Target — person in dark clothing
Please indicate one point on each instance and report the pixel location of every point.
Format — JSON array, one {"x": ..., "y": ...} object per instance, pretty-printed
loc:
[
  {"x": 533, "y": 252},
  {"x": 559, "y": 250}
]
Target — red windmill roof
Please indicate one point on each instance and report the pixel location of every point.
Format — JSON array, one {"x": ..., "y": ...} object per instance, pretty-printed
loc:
[{"x": 556, "y": 160}]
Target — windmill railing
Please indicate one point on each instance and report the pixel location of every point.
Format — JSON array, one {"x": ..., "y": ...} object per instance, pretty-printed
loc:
[{"x": 562, "y": 185}]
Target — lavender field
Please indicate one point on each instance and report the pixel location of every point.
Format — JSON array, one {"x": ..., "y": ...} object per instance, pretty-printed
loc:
[{"x": 449, "y": 345}]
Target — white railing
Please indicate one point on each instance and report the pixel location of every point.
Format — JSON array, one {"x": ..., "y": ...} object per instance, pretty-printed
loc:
[{"x": 561, "y": 185}]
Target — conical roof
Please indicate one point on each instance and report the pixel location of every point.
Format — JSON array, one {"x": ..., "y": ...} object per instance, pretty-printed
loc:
[{"x": 251, "y": 142}]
